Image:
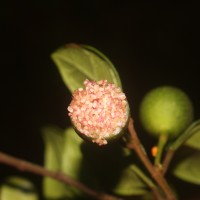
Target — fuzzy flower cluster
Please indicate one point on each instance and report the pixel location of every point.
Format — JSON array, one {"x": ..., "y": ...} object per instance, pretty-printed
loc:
[{"x": 99, "y": 111}]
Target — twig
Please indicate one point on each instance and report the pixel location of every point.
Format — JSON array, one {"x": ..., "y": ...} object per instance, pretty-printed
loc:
[
  {"x": 167, "y": 160},
  {"x": 156, "y": 193},
  {"x": 135, "y": 144},
  {"x": 36, "y": 169}
]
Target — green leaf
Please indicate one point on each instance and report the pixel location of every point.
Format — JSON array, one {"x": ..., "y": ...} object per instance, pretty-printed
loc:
[
  {"x": 194, "y": 140},
  {"x": 72, "y": 157},
  {"x": 18, "y": 189},
  {"x": 187, "y": 168},
  {"x": 79, "y": 62},
  {"x": 130, "y": 183},
  {"x": 63, "y": 153},
  {"x": 54, "y": 142},
  {"x": 190, "y": 137}
]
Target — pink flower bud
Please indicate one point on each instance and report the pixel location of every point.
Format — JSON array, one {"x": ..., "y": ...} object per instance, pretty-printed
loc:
[{"x": 99, "y": 112}]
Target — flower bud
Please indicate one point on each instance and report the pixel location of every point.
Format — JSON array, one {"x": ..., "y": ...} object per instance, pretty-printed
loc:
[{"x": 99, "y": 112}]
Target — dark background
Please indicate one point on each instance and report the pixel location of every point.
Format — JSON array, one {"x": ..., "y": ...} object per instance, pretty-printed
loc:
[{"x": 150, "y": 45}]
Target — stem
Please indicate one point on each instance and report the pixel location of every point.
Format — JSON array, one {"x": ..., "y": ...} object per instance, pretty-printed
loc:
[
  {"x": 167, "y": 160},
  {"x": 135, "y": 144},
  {"x": 36, "y": 169},
  {"x": 161, "y": 144}
]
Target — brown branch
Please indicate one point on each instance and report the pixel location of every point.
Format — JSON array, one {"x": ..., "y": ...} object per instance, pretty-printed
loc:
[
  {"x": 135, "y": 144},
  {"x": 36, "y": 169},
  {"x": 156, "y": 193}
]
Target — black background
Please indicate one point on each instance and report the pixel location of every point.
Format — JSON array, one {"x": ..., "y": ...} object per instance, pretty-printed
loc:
[{"x": 150, "y": 45}]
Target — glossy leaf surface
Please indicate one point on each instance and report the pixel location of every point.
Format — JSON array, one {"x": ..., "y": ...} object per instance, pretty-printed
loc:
[{"x": 79, "y": 62}]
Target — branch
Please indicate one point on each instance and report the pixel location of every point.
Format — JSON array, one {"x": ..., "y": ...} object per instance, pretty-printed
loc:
[
  {"x": 167, "y": 160},
  {"x": 36, "y": 169},
  {"x": 135, "y": 144}
]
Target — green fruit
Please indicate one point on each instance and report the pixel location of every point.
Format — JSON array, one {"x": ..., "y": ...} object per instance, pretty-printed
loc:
[{"x": 166, "y": 110}]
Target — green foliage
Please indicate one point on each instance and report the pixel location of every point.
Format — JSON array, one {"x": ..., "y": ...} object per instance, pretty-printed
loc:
[
  {"x": 18, "y": 188},
  {"x": 188, "y": 159},
  {"x": 71, "y": 155},
  {"x": 130, "y": 183},
  {"x": 53, "y": 138},
  {"x": 188, "y": 167},
  {"x": 100, "y": 168},
  {"x": 169, "y": 111},
  {"x": 79, "y": 62},
  {"x": 190, "y": 137},
  {"x": 62, "y": 153},
  {"x": 194, "y": 140},
  {"x": 71, "y": 158},
  {"x": 111, "y": 168}
]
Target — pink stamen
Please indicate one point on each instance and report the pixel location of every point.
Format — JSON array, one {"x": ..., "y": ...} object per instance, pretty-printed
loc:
[{"x": 99, "y": 111}]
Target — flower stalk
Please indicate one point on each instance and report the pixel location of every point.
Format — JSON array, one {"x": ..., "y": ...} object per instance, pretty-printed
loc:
[{"x": 161, "y": 144}]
